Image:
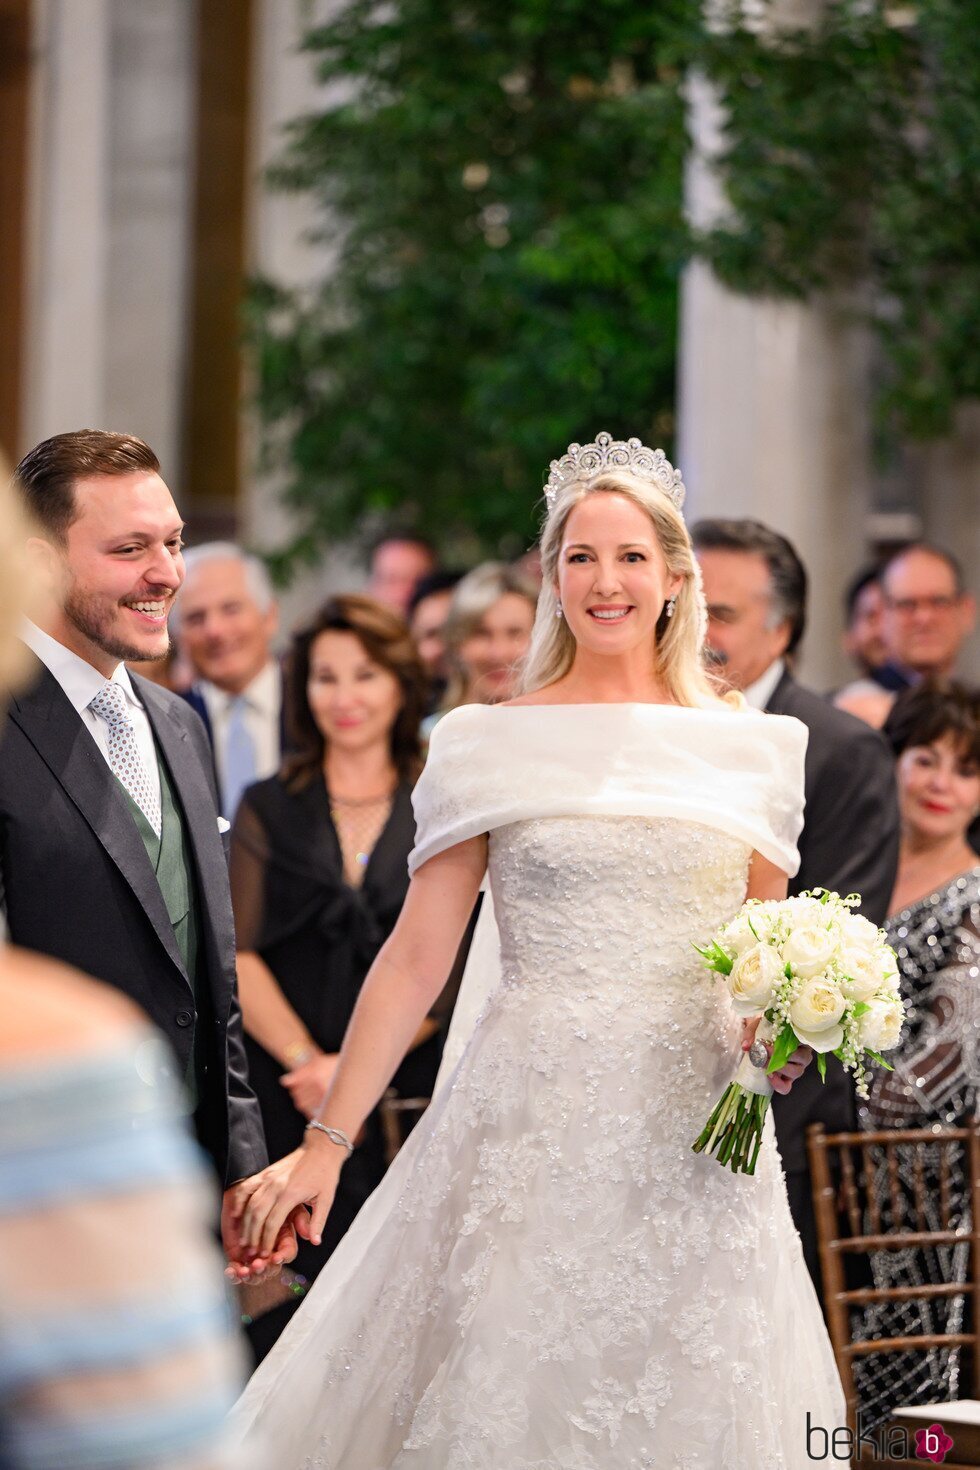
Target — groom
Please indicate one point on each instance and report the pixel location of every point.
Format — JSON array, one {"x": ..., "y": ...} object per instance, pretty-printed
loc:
[{"x": 110, "y": 846}]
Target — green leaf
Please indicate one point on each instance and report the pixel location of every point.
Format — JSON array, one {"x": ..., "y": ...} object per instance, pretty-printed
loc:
[
  {"x": 859, "y": 1008},
  {"x": 877, "y": 1057},
  {"x": 783, "y": 1048}
]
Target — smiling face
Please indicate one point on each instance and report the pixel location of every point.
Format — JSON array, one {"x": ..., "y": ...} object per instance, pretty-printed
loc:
[
  {"x": 354, "y": 700},
  {"x": 225, "y": 633},
  {"x": 490, "y": 655},
  {"x": 939, "y": 790},
  {"x": 612, "y": 577},
  {"x": 115, "y": 577}
]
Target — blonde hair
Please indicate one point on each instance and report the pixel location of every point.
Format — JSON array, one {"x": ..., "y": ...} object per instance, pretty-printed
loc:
[
  {"x": 678, "y": 641},
  {"x": 473, "y": 597}
]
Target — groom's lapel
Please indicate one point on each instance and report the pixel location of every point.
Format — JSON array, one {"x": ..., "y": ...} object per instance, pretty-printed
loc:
[{"x": 49, "y": 721}]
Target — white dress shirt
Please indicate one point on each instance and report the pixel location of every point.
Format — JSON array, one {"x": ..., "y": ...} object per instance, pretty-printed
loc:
[
  {"x": 263, "y": 714},
  {"x": 759, "y": 694},
  {"x": 81, "y": 682}
]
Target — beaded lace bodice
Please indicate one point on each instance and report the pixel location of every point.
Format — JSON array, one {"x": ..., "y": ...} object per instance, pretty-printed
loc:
[
  {"x": 609, "y": 906},
  {"x": 552, "y": 1279}
]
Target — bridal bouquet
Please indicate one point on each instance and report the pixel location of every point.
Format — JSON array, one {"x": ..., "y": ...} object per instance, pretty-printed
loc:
[{"x": 818, "y": 975}]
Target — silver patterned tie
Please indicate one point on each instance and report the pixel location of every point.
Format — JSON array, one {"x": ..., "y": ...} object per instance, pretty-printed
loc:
[{"x": 124, "y": 752}]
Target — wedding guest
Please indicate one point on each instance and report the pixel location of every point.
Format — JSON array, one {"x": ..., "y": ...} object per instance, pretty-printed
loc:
[
  {"x": 869, "y": 696},
  {"x": 427, "y": 613},
  {"x": 488, "y": 630},
  {"x": 110, "y": 847},
  {"x": 934, "y": 927},
  {"x": 928, "y": 614},
  {"x": 226, "y": 617},
  {"x": 319, "y": 874},
  {"x": 756, "y": 590},
  {"x": 398, "y": 561}
]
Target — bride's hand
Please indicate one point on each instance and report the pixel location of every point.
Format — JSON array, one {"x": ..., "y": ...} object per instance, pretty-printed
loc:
[
  {"x": 308, "y": 1176},
  {"x": 792, "y": 1068}
]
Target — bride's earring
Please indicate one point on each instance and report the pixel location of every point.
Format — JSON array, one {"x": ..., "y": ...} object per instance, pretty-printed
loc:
[
  {"x": 558, "y": 611},
  {"x": 669, "y": 609}
]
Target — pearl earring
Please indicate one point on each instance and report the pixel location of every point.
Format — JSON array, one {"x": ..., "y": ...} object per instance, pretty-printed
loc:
[
  {"x": 558, "y": 611},
  {"x": 669, "y": 609}
]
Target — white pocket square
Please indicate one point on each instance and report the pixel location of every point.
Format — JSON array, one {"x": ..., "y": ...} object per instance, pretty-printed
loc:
[{"x": 223, "y": 825}]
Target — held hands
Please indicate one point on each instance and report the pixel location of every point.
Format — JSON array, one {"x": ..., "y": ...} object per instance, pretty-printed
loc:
[
  {"x": 792, "y": 1068},
  {"x": 307, "y": 1084},
  {"x": 273, "y": 1202},
  {"x": 245, "y": 1266}
]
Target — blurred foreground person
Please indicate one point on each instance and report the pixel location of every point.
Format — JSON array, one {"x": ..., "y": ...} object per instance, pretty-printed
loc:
[
  {"x": 488, "y": 632},
  {"x": 110, "y": 841},
  {"x": 227, "y": 620},
  {"x": 319, "y": 875},
  {"x": 756, "y": 590},
  {"x": 934, "y": 927},
  {"x": 116, "y": 1347}
]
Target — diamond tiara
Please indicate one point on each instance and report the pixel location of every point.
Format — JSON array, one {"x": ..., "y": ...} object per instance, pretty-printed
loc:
[{"x": 585, "y": 461}]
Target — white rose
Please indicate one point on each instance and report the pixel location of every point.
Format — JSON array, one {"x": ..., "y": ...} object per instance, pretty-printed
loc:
[
  {"x": 738, "y": 936},
  {"x": 859, "y": 932},
  {"x": 881, "y": 1026},
  {"x": 810, "y": 949},
  {"x": 753, "y": 977},
  {"x": 802, "y": 912},
  {"x": 861, "y": 973},
  {"x": 815, "y": 1015}
]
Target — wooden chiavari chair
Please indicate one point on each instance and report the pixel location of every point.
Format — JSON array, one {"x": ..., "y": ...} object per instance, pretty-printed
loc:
[{"x": 851, "y": 1223}]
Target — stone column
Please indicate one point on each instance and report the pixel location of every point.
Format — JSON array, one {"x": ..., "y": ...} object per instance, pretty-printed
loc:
[
  {"x": 111, "y": 143},
  {"x": 66, "y": 347},
  {"x": 773, "y": 413},
  {"x": 280, "y": 245}
]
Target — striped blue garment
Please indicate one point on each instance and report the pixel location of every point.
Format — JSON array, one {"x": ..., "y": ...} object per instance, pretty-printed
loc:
[{"x": 117, "y": 1346}]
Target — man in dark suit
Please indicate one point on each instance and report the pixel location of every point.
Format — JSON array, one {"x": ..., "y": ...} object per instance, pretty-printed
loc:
[
  {"x": 756, "y": 588},
  {"x": 110, "y": 842}
]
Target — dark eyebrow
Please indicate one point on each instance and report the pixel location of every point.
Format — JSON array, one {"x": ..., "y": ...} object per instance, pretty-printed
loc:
[{"x": 178, "y": 530}]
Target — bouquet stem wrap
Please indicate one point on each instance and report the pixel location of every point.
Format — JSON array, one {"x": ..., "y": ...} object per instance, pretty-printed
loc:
[{"x": 733, "y": 1133}]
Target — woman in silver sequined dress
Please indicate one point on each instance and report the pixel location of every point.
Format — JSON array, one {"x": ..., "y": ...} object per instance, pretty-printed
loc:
[{"x": 935, "y": 931}]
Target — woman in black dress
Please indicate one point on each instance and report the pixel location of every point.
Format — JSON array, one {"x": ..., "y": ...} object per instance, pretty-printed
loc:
[{"x": 319, "y": 873}]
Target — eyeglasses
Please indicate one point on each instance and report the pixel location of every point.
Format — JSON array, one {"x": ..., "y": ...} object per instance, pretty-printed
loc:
[{"x": 907, "y": 607}]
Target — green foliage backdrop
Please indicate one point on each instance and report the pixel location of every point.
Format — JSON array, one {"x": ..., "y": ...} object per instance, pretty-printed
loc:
[
  {"x": 502, "y": 183},
  {"x": 854, "y": 158}
]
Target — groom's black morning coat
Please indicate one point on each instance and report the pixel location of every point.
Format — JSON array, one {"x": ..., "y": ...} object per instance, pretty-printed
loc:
[
  {"x": 80, "y": 887},
  {"x": 849, "y": 844}
]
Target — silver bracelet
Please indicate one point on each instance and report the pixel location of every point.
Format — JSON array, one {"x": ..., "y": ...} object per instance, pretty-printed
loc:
[{"x": 335, "y": 1135}]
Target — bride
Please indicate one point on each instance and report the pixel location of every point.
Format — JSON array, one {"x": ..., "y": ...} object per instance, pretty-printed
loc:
[{"x": 549, "y": 1278}]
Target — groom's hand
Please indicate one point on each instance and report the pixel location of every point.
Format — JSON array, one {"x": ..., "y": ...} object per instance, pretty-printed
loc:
[
  {"x": 792, "y": 1068},
  {"x": 244, "y": 1265}
]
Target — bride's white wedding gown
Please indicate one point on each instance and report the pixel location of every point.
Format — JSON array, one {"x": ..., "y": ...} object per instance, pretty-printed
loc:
[{"x": 550, "y": 1278}]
